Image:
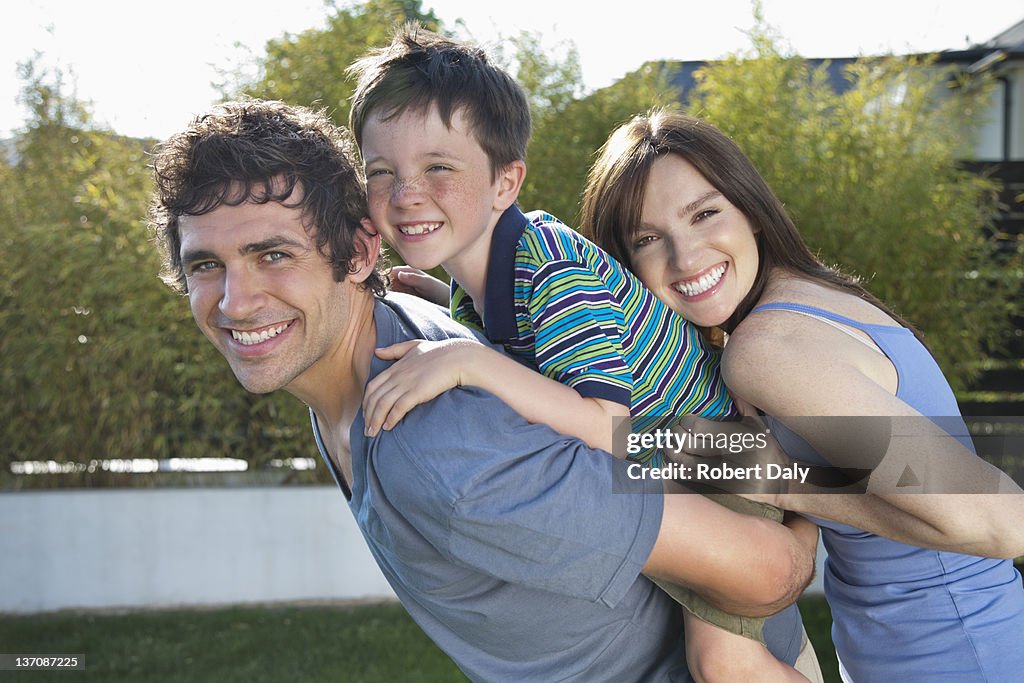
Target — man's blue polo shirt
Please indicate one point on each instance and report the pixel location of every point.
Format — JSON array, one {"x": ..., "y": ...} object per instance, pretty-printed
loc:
[{"x": 517, "y": 550}]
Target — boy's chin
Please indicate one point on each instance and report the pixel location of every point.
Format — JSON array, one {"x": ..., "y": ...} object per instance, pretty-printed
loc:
[{"x": 418, "y": 261}]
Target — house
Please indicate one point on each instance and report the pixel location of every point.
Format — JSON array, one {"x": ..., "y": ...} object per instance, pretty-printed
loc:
[
  {"x": 1002, "y": 135},
  {"x": 999, "y": 152}
]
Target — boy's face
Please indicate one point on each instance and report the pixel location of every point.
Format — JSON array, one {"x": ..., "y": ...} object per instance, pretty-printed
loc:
[{"x": 430, "y": 190}]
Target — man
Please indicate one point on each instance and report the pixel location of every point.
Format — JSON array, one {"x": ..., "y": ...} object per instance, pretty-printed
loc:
[{"x": 504, "y": 540}]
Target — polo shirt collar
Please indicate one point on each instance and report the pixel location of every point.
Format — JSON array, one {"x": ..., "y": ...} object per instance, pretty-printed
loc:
[{"x": 499, "y": 318}]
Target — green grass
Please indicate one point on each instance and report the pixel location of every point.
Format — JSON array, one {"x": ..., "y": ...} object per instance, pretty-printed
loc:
[
  {"x": 818, "y": 623},
  {"x": 363, "y": 643}
]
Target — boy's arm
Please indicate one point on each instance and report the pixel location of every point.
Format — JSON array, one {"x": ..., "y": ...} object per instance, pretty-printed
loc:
[{"x": 426, "y": 369}]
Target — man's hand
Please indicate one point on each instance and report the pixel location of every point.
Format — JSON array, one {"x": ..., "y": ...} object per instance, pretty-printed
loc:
[{"x": 743, "y": 564}]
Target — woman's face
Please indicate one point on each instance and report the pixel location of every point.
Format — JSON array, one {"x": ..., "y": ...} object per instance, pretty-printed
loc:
[{"x": 693, "y": 248}]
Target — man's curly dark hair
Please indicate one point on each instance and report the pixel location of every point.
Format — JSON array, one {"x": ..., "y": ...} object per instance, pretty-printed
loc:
[{"x": 260, "y": 151}]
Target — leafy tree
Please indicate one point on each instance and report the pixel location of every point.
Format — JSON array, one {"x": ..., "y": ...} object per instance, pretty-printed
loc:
[
  {"x": 871, "y": 179},
  {"x": 568, "y": 131},
  {"x": 100, "y": 361},
  {"x": 309, "y": 68}
]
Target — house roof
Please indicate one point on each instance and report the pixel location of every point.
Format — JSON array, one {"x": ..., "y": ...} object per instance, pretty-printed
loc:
[
  {"x": 1010, "y": 39},
  {"x": 835, "y": 68},
  {"x": 1007, "y": 46}
]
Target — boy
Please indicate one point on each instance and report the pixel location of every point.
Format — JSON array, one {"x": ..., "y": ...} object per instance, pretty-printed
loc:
[{"x": 443, "y": 135}]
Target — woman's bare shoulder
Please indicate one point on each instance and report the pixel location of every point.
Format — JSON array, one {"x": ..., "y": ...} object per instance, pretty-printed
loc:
[
  {"x": 818, "y": 295},
  {"x": 775, "y": 352}
]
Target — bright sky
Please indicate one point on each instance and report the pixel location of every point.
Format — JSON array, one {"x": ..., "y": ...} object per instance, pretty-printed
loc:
[{"x": 147, "y": 66}]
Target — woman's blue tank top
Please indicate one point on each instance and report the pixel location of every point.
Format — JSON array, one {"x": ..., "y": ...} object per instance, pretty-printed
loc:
[{"x": 903, "y": 613}]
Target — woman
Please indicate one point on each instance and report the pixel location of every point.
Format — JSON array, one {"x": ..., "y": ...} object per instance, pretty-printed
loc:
[{"x": 678, "y": 203}]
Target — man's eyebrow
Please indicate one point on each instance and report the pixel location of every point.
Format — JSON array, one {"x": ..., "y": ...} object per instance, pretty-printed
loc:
[
  {"x": 194, "y": 255},
  {"x": 271, "y": 243},
  {"x": 274, "y": 242}
]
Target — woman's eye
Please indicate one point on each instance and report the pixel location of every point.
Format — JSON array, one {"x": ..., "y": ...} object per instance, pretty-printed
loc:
[
  {"x": 706, "y": 213},
  {"x": 377, "y": 172},
  {"x": 641, "y": 242}
]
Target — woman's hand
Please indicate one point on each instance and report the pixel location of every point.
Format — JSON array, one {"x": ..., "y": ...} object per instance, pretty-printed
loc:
[{"x": 745, "y": 446}]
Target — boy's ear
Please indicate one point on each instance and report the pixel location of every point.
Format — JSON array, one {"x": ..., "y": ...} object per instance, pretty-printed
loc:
[
  {"x": 367, "y": 251},
  {"x": 510, "y": 181}
]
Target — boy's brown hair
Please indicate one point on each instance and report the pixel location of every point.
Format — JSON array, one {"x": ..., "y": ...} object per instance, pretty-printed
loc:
[{"x": 420, "y": 69}]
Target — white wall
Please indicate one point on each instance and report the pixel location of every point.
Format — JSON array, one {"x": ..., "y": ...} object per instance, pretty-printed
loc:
[
  {"x": 198, "y": 546},
  {"x": 162, "y": 547}
]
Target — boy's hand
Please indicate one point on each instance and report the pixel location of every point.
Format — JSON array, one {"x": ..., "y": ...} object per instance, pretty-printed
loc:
[
  {"x": 409, "y": 280},
  {"x": 422, "y": 371}
]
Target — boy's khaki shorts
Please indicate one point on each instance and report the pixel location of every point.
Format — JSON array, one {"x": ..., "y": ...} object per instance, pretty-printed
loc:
[{"x": 749, "y": 627}]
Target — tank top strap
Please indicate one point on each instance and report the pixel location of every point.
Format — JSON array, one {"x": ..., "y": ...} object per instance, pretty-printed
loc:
[
  {"x": 818, "y": 313},
  {"x": 833, "y": 320}
]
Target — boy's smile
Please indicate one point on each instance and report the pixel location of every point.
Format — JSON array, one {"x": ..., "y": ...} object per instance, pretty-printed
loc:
[{"x": 431, "y": 193}]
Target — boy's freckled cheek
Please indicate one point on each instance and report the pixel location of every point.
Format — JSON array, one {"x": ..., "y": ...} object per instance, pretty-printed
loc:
[
  {"x": 445, "y": 188},
  {"x": 457, "y": 189}
]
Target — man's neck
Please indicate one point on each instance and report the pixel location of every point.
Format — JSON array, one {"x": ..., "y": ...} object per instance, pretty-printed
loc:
[{"x": 335, "y": 392}]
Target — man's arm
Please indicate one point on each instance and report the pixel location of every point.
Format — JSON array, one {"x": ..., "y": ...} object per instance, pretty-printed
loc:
[{"x": 742, "y": 564}]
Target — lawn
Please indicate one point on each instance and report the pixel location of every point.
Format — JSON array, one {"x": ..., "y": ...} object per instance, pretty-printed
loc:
[{"x": 362, "y": 643}]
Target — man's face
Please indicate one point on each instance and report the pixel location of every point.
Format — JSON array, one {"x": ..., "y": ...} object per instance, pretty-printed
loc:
[
  {"x": 430, "y": 189},
  {"x": 264, "y": 295}
]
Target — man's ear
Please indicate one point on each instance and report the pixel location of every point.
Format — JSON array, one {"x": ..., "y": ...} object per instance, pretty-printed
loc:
[
  {"x": 367, "y": 251},
  {"x": 510, "y": 181}
]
